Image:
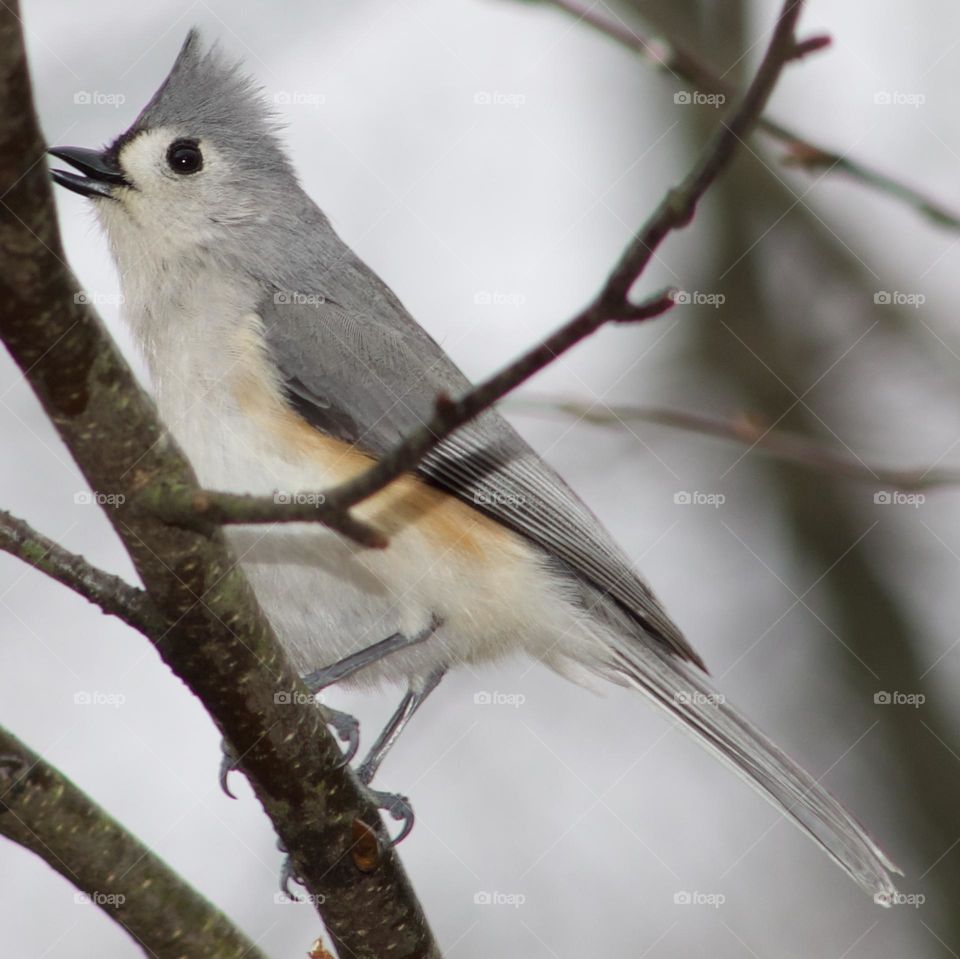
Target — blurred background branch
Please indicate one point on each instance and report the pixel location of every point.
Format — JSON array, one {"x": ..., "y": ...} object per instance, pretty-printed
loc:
[
  {"x": 750, "y": 431},
  {"x": 761, "y": 350},
  {"x": 676, "y": 61}
]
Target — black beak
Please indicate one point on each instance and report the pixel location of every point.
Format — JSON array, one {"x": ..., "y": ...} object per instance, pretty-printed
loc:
[{"x": 101, "y": 169}]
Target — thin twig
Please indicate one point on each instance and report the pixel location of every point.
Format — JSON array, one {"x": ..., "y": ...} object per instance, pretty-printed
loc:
[
  {"x": 193, "y": 508},
  {"x": 670, "y": 58},
  {"x": 791, "y": 447},
  {"x": 611, "y": 305},
  {"x": 43, "y": 811},
  {"x": 115, "y": 596}
]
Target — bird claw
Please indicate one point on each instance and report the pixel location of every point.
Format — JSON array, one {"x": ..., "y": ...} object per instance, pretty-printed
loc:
[
  {"x": 399, "y": 809},
  {"x": 287, "y": 875},
  {"x": 228, "y": 764},
  {"x": 347, "y": 728}
]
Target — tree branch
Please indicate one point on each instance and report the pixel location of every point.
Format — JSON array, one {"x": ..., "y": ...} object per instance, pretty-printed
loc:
[
  {"x": 611, "y": 305},
  {"x": 802, "y": 152},
  {"x": 43, "y": 811},
  {"x": 790, "y": 447},
  {"x": 198, "y": 509},
  {"x": 113, "y": 595},
  {"x": 216, "y": 638}
]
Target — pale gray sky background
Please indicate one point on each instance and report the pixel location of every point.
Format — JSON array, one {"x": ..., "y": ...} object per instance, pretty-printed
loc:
[{"x": 592, "y": 809}]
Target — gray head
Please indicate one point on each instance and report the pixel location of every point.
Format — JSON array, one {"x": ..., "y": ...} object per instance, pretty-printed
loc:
[{"x": 200, "y": 161}]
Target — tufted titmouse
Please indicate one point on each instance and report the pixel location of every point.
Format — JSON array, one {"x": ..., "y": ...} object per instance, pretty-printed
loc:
[{"x": 282, "y": 363}]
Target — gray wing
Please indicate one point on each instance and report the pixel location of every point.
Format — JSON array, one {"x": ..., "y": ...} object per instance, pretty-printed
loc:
[{"x": 370, "y": 377}]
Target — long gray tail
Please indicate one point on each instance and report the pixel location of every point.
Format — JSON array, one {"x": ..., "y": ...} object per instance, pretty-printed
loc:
[{"x": 705, "y": 715}]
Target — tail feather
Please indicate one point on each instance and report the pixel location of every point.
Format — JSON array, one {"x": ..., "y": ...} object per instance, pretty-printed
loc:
[{"x": 673, "y": 686}]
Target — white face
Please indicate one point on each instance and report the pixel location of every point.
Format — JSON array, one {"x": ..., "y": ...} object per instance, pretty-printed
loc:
[{"x": 182, "y": 195}]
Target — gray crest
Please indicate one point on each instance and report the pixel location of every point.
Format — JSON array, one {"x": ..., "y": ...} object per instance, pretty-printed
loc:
[{"x": 208, "y": 95}]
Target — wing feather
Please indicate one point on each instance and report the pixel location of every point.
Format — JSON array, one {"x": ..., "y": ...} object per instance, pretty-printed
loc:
[{"x": 370, "y": 378}]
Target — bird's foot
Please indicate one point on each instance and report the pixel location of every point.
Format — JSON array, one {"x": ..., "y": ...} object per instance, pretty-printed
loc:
[
  {"x": 288, "y": 875},
  {"x": 346, "y": 727},
  {"x": 397, "y": 806}
]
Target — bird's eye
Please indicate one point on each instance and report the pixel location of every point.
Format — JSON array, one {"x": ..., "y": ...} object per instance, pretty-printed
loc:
[{"x": 184, "y": 156}]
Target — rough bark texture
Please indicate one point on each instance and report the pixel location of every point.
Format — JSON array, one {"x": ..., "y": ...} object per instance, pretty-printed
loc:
[
  {"x": 111, "y": 593},
  {"x": 46, "y": 813}
]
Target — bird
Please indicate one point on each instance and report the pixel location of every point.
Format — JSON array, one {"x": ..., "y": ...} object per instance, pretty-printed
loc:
[{"x": 281, "y": 363}]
